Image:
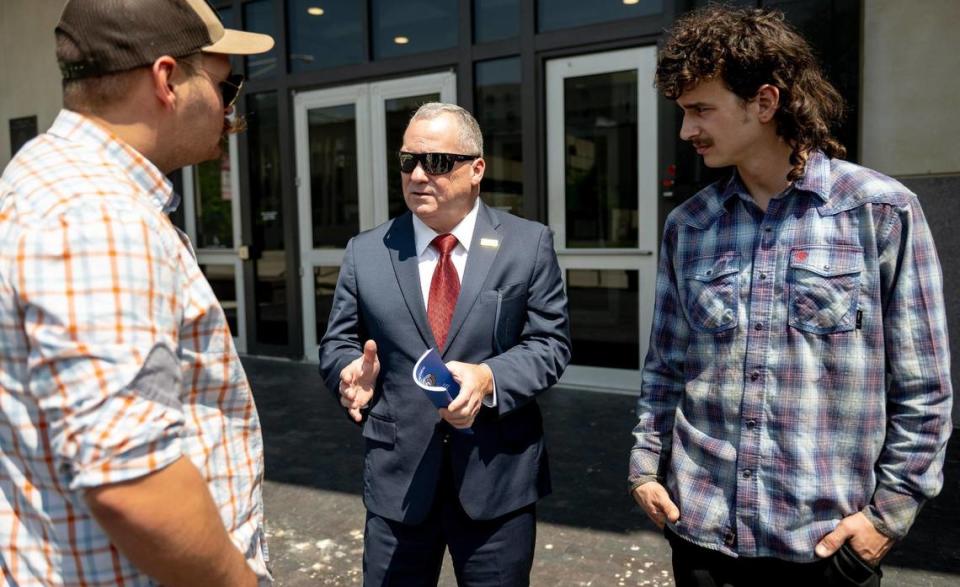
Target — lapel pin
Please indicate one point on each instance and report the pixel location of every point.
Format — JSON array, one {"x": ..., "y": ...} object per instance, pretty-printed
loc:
[{"x": 489, "y": 242}]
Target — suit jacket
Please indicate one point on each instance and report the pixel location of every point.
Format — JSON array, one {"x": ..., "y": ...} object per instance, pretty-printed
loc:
[{"x": 511, "y": 314}]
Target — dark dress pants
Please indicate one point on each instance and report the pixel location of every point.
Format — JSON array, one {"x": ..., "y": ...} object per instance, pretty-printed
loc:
[
  {"x": 485, "y": 553},
  {"x": 695, "y": 566}
]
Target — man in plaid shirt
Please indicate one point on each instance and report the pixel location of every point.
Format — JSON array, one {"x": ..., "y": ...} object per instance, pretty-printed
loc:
[
  {"x": 132, "y": 452},
  {"x": 796, "y": 396}
]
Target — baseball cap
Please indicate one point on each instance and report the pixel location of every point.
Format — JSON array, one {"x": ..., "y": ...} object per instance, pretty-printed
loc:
[{"x": 119, "y": 35}]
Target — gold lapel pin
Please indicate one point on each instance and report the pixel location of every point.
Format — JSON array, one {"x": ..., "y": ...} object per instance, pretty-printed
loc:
[{"x": 489, "y": 242}]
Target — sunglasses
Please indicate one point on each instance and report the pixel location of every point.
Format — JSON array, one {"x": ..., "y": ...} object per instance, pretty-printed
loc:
[
  {"x": 432, "y": 163},
  {"x": 230, "y": 89}
]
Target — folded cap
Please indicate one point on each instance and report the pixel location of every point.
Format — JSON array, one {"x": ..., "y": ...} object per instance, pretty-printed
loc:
[{"x": 118, "y": 35}]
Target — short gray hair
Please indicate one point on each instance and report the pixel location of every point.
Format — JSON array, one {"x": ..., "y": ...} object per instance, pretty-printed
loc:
[{"x": 471, "y": 139}]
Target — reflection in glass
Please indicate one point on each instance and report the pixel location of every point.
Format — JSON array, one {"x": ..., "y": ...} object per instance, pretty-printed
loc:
[
  {"x": 397, "y": 115},
  {"x": 604, "y": 317},
  {"x": 494, "y": 20},
  {"x": 324, "y": 282},
  {"x": 497, "y": 109},
  {"x": 223, "y": 281},
  {"x": 600, "y": 160},
  {"x": 324, "y": 34},
  {"x": 258, "y": 17},
  {"x": 334, "y": 198},
  {"x": 266, "y": 209},
  {"x": 414, "y": 26},
  {"x": 213, "y": 197},
  {"x": 562, "y": 14}
]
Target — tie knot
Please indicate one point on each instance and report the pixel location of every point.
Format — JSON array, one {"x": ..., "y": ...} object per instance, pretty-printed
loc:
[{"x": 444, "y": 243}]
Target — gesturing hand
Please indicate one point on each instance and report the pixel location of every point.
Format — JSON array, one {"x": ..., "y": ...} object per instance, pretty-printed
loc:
[
  {"x": 475, "y": 381},
  {"x": 357, "y": 380},
  {"x": 655, "y": 501}
]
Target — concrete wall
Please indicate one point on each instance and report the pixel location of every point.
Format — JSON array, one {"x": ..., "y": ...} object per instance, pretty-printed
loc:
[
  {"x": 29, "y": 77},
  {"x": 911, "y": 84}
]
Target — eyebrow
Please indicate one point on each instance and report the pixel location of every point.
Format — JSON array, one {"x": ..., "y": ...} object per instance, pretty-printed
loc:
[{"x": 691, "y": 105}]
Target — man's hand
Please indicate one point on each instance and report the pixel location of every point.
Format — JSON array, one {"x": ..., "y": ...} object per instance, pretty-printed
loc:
[
  {"x": 358, "y": 379},
  {"x": 476, "y": 381},
  {"x": 655, "y": 501},
  {"x": 869, "y": 544}
]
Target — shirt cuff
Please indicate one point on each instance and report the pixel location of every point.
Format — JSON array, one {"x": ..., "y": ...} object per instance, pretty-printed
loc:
[
  {"x": 490, "y": 401},
  {"x": 892, "y": 513}
]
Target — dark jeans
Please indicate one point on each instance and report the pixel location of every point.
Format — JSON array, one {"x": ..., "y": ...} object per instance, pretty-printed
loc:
[{"x": 695, "y": 566}]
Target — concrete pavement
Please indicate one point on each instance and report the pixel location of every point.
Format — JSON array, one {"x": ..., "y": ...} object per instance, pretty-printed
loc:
[{"x": 589, "y": 532}]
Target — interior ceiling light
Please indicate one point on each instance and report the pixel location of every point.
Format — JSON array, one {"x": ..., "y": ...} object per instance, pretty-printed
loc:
[
  {"x": 401, "y": 40},
  {"x": 317, "y": 11},
  {"x": 629, "y": 2}
]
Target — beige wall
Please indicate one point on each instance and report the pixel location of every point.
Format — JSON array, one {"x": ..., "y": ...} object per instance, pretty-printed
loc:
[
  {"x": 29, "y": 78},
  {"x": 910, "y": 117}
]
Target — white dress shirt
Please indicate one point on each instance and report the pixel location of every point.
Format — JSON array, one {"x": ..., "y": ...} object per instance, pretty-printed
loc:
[{"x": 427, "y": 258}]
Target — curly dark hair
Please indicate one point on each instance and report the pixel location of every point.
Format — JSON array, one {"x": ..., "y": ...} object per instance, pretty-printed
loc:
[{"x": 747, "y": 48}]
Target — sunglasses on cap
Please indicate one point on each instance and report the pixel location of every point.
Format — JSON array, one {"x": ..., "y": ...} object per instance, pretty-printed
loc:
[
  {"x": 432, "y": 163},
  {"x": 230, "y": 89}
]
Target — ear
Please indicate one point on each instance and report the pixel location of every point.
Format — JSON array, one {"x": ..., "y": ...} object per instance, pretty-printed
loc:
[
  {"x": 768, "y": 102},
  {"x": 477, "y": 169},
  {"x": 162, "y": 73}
]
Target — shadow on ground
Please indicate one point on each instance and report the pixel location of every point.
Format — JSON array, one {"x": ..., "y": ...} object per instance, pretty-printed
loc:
[{"x": 309, "y": 442}]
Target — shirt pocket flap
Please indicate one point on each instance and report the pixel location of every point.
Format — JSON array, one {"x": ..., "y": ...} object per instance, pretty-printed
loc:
[
  {"x": 380, "y": 430},
  {"x": 710, "y": 268},
  {"x": 828, "y": 261}
]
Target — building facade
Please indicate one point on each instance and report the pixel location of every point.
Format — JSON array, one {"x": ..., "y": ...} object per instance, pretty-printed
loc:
[{"x": 576, "y": 137}]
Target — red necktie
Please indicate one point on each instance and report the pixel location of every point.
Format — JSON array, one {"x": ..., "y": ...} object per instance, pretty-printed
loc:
[{"x": 444, "y": 289}]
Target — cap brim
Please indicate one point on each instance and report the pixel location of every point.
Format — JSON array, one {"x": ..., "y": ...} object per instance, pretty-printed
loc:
[{"x": 235, "y": 42}]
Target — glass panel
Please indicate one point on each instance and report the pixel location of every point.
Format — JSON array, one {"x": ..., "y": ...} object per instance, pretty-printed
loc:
[
  {"x": 325, "y": 281},
  {"x": 498, "y": 112},
  {"x": 259, "y": 18},
  {"x": 334, "y": 198},
  {"x": 494, "y": 20},
  {"x": 266, "y": 208},
  {"x": 397, "y": 115},
  {"x": 223, "y": 280},
  {"x": 562, "y": 14},
  {"x": 414, "y": 26},
  {"x": 600, "y": 141},
  {"x": 325, "y": 33},
  {"x": 226, "y": 17},
  {"x": 604, "y": 317},
  {"x": 213, "y": 203}
]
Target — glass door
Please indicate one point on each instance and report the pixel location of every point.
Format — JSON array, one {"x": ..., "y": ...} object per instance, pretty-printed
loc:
[
  {"x": 348, "y": 178},
  {"x": 602, "y": 205},
  {"x": 212, "y": 220}
]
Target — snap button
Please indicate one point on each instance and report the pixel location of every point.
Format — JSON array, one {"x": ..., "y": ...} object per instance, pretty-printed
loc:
[
  {"x": 747, "y": 473},
  {"x": 758, "y": 326}
]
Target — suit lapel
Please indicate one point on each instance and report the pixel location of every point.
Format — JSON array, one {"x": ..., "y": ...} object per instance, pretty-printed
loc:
[
  {"x": 403, "y": 254},
  {"x": 479, "y": 260}
]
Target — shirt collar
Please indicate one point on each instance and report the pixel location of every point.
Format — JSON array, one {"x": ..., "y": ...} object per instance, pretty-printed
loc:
[
  {"x": 77, "y": 128},
  {"x": 424, "y": 235},
  {"x": 815, "y": 180}
]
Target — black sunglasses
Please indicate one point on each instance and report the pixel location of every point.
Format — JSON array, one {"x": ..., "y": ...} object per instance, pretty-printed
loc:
[
  {"x": 432, "y": 163},
  {"x": 230, "y": 89}
]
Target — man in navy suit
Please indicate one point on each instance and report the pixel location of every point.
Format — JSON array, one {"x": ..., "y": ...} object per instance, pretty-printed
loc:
[{"x": 485, "y": 289}]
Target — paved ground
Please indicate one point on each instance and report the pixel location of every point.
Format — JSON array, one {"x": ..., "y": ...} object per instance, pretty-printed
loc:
[{"x": 589, "y": 531}]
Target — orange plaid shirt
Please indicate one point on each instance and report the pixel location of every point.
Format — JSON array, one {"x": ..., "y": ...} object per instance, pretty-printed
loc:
[{"x": 100, "y": 295}]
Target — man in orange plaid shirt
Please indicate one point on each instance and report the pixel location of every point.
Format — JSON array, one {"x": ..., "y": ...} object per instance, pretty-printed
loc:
[{"x": 131, "y": 446}]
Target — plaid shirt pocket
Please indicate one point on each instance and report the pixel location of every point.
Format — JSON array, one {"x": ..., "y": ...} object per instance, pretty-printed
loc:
[
  {"x": 824, "y": 286},
  {"x": 713, "y": 292}
]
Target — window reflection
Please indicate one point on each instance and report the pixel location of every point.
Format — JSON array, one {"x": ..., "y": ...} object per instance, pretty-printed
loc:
[
  {"x": 600, "y": 119},
  {"x": 604, "y": 317},
  {"x": 213, "y": 197},
  {"x": 333, "y": 175},
  {"x": 561, "y": 14},
  {"x": 324, "y": 34},
  {"x": 413, "y": 26},
  {"x": 223, "y": 281},
  {"x": 494, "y": 20},
  {"x": 258, "y": 17},
  {"x": 498, "y": 112}
]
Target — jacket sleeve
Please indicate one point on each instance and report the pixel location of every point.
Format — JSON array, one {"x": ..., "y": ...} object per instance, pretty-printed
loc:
[
  {"x": 662, "y": 382},
  {"x": 538, "y": 360},
  {"x": 343, "y": 342},
  {"x": 919, "y": 396}
]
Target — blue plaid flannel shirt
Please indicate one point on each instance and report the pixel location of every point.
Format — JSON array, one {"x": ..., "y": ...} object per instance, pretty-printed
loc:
[{"x": 798, "y": 369}]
